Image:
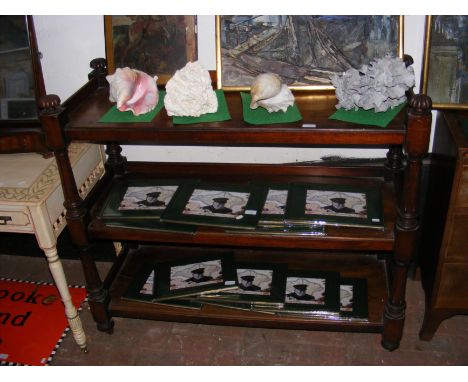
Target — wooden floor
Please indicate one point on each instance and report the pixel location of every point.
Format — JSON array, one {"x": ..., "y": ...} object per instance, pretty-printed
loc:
[{"x": 140, "y": 342}]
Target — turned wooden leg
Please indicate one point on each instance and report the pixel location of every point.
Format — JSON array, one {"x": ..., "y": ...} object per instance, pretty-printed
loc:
[
  {"x": 407, "y": 221},
  {"x": 56, "y": 269},
  {"x": 98, "y": 296}
]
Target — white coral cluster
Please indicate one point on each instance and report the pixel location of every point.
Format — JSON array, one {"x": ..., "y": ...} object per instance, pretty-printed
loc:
[
  {"x": 189, "y": 92},
  {"x": 380, "y": 85}
]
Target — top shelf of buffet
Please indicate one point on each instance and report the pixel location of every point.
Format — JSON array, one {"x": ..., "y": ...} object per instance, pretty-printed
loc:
[{"x": 90, "y": 103}]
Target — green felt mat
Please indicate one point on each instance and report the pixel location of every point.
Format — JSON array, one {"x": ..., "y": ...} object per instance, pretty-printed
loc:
[
  {"x": 222, "y": 114},
  {"x": 113, "y": 115},
  {"x": 367, "y": 117},
  {"x": 261, "y": 116}
]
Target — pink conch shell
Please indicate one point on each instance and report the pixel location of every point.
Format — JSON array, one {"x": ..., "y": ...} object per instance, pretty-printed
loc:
[{"x": 133, "y": 90}]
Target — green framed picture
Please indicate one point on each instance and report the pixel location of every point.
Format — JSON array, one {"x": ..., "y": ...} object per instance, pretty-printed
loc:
[
  {"x": 335, "y": 204},
  {"x": 258, "y": 284},
  {"x": 139, "y": 198},
  {"x": 274, "y": 209},
  {"x": 312, "y": 291},
  {"x": 222, "y": 205},
  {"x": 353, "y": 298},
  {"x": 142, "y": 285},
  {"x": 215, "y": 272}
]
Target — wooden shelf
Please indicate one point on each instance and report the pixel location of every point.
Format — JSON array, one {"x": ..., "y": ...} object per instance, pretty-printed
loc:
[
  {"x": 337, "y": 238},
  {"x": 369, "y": 266},
  {"x": 83, "y": 125}
]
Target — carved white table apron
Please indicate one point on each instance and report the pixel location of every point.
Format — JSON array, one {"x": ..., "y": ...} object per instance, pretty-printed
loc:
[{"x": 31, "y": 201}]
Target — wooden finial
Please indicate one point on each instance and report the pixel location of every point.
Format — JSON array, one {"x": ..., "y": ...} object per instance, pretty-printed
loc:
[
  {"x": 98, "y": 64},
  {"x": 420, "y": 104}
]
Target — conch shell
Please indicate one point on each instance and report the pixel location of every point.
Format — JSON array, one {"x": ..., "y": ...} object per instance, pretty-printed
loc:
[
  {"x": 189, "y": 92},
  {"x": 133, "y": 90},
  {"x": 264, "y": 86},
  {"x": 281, "y": 101}
]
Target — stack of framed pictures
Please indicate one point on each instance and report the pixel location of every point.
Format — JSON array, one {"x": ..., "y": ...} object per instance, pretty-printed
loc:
[
  {"x": 220, "y": 205},
  {"x": 181, "y": 205},
  {"x": 176, "y": 281},
  {"x": 139, "y": 204},
  {"x": 334, "y": 204},
  {"x": 218, "y": 280},
  {"x": 273, "y": 216}
]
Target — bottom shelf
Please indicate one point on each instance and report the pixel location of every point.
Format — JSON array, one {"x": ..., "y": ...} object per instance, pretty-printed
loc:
[{"x": 371, "y": 267}]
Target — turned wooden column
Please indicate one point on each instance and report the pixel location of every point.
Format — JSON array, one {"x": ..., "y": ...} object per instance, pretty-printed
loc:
[
  {"x": 52, "y": 119},
  {"x": 115, "y": 164},
  {"x": 407, "y": 222}
]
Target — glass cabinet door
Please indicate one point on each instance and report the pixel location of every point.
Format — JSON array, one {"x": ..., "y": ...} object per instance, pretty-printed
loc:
[{"x": 21, "y": 80}]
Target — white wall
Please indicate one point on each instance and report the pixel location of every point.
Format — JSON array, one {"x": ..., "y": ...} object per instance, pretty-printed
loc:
[{"x": 69, "y": 43}]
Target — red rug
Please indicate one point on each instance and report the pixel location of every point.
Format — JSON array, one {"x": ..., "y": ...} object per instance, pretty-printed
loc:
[{"x": 32, "y": 321}]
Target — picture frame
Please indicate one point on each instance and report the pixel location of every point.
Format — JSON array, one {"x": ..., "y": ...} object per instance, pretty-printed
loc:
[
  {"x": 179, "y": 279},
  {"x": 273, "y": 212},
  {"x": 220, "y": 205},
  {"x": 316, "y": 292},
  {"x": 141, "y": 287},
  {"x": 445, "y": 61},
  {"x": 139, "y": 199},
  {"x": 261, "y": 284},
  {"x": 248, "y": 45},
  {"x": 157, "y": 45},
  {"x": 353, "y": 298},
  {"x": 336, "y": 205}
]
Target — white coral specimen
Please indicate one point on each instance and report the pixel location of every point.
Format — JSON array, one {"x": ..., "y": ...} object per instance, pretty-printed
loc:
[
  {"x": 380, "y": 85},
  {"x": 189, "y": 92}
]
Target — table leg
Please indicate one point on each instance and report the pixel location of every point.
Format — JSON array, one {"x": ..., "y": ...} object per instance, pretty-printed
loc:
[{"x": 55, "y": 266}]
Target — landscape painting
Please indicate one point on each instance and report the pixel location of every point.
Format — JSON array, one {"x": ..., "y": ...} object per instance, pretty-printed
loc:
[
  {"x": 155, "y": 44},
  {"x": 304, "y": 50},
  {"x": 445, "y": 71}
]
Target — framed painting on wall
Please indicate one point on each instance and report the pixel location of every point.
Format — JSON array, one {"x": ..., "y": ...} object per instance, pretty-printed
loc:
[
  {"x": 156, "y": 45},
  {"x": 445, "y": 67},
  {"x": 303, "y": 50}
]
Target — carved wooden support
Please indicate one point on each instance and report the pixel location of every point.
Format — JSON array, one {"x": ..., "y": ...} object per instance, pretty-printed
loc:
[
  {"x": 395, "y": 159},
  {"x": 52, "y": 119},
  {"x": 115, "y": 163},
  {"x": 407, "y": 222}
]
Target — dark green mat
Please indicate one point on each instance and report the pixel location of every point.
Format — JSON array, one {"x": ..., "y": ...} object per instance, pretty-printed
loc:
[
  {"x": 115, "y": 116},
  {"x": 261, "y": 116},
  {"x": 367, "y": 117},
  {"x": 222, "y": 114}
]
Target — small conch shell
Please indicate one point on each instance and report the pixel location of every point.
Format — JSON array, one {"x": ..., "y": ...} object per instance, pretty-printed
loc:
[
  {"x": 133, "y": 90},
  {"x": 264, "y": 86},
  {"x": 281, "y": 101}
]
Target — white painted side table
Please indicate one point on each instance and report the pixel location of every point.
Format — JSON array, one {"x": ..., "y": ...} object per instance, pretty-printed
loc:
[{"x": 31, "y": 201}]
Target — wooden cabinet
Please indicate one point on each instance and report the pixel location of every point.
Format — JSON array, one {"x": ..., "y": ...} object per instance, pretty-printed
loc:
[
  {"x": 445, "y": 265},
  {"x": 380, "y": 256}
]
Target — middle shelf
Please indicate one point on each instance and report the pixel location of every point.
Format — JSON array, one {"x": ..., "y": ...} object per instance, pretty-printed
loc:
[{"x": 335, "y": 237}]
